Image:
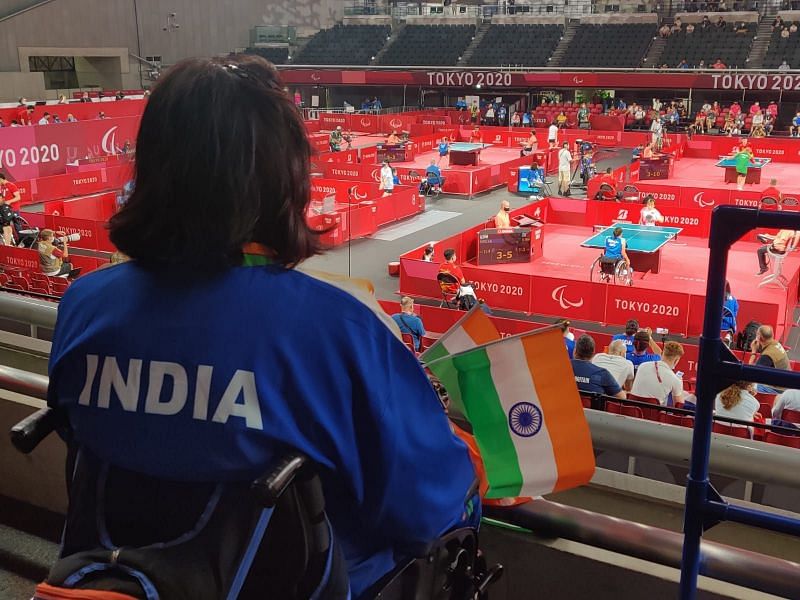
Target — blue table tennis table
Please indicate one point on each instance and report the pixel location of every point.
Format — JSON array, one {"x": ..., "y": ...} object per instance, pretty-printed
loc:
[{"x": 643, "y": 243}]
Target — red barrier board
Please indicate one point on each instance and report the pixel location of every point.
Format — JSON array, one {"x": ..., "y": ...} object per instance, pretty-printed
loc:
[
  {"x": 328, "y": 121},
  {"x": 23, "y": 258},
  {"x": 510, "y": 291},
  {"x": 669, "y": 309},
  {"x": 364, "y": 123},
  {"x": 42, "y": 150},
  {"x": 695, "y": 222},
  {"x": 579, "y": 300},
  {"x": 81, "y": 111}
]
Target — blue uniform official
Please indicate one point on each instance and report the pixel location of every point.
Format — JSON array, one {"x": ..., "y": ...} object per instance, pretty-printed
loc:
[{"x": 209, "y": 379}]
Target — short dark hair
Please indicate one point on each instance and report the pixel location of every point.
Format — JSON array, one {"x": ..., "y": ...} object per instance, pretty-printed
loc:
[
  {"x": 641, "y": 341},
  {"x": 609, "y": 170},
  {"x": 449, "y": 253},
  {"x": 3, "y": 175},
  {"x": 206, "y": 187},
  {"x": 617, "y": 231},
  {"x": 584, "y": 347},
  {"x": 631, "y": 327}
]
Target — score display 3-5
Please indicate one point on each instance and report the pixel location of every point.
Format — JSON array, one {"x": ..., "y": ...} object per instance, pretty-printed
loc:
[{"x": 503, "y": 246}]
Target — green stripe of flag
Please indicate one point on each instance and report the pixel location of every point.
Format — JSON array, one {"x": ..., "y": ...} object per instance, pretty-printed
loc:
[{"x": 489, "y": 422}]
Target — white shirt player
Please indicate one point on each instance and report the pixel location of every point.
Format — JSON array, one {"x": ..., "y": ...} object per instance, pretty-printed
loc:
[{"x": 650, "y": 217}]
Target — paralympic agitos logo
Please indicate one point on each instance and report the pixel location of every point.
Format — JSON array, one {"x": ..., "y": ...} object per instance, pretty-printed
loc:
[{"x": 558, "y": 296}]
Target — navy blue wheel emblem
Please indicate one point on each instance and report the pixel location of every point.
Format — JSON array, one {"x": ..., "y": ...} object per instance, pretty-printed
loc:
[{"x": 525, "y": 419}]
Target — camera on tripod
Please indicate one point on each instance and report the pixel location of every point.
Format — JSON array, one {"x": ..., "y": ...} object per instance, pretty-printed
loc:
[{"x": 584, "y": 147}]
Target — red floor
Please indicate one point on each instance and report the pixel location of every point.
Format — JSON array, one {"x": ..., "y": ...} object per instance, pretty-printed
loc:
[{"x": 701, "y": 173}]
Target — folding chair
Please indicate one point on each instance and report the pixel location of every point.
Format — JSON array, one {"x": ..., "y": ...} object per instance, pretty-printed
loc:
[
  {"x": 776, "y": 277},
  {"x": 449, "y": 298}
]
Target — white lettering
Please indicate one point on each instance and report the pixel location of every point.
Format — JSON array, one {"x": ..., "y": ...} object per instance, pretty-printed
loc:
[
  {"x": 202, "y": 390},
  {"x": 127, "y": 391},
  {"x": 180, "y": 388},
  {"x": 91, "y": 370},
  {"x": 243, "y": 383}
]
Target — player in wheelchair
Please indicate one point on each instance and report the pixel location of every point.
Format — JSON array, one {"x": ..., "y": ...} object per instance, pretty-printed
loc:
[
  {"x": 193, "y": 378},
  {"x": 613, "y": 264}
]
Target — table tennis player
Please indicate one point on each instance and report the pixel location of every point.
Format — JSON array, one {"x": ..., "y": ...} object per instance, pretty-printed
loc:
[{"x": 649, "y": 215}]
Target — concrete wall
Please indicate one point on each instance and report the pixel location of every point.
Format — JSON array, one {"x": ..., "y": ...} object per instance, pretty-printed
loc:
[{"x": 15, "y": 85}]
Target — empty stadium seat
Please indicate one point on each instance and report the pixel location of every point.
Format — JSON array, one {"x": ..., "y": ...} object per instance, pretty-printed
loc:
[
  {"x": 730, "y": 429},
  {"x": 709, "y": 45},
  {"x": 781, "y": 49},
  {"x": 623, "y": 45},
  {"x": 516, "y": 44},
  {"x": 278, "y": 55},
  {"x": 430, "y": 45},
  {"x": 344, "y": 45},
  {"x": 793, "y": 441},
  {"x": 792, "y": 416}
]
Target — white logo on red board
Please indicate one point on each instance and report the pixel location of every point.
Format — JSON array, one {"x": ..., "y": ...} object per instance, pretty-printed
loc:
[
  {"x": 109, "y": 141},
  {"x": 358, "y": 196},
  {"x": 537, "y": 214},
  {"x": 577, "y": 80},
  {"x": 698, "y": 199},
  {"x": 315, "y": 77},
  {"x": 396, "y": 123},
  {"x": 376, "y": 174},
  {"x": 622, "y": 214},
  {"x": 365, "y": 122},
  {"x": 558, "y": 296}
]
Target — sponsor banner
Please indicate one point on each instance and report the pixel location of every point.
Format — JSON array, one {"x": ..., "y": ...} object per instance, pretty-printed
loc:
[
  {"x": 434, "y": 120},
  {"x": 39, "y": 151},
  {"x": 704, "y": 198},
  {"x": 396, "y": 122},
  {"x": 349, "y": 157},
  {"x": 575, "y": 300},
  {"x": 69, "y": 225},
  {"x": 500, "y": 289},
  {"x": 22, "y": 258},
  {"x": 320, "y": 142},
  {"x": 356, "y": 172},
  {"x": 657, "y": 308},
  {"x": 343, "y": 190},
  {"x": 79, "y": 184},
  {"x": 420, "y": 129},
  {"x": 744, "y": 198}
]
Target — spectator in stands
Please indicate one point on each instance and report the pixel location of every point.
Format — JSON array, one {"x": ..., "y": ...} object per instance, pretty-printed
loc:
[
  {"x": 335, "y": 139},
  {"x": 730, "y": 310},
  {"x": 664, "y": 31},
  {"x": 777, "y": 24},
  {"x": 526, "y": 119},
  {"x": 737, "y": 401},
  {"x": 386, "y": 179},
  {"x": 699, "y": 122},
  {"x": 515, "y": 119},
  {"x": 569, "y": 337},
  {"x": 676, "y": 25},
  {"x": 769, "y": 124},
  {"x": 101, "y": 115},
  {"x": 474, "y": 111},
  {"x": 614, "y": 362},
  {"x": 9, "y": 194},
  {"x": 349, "y": 379},
  {"x": 736, "y": 109},
  {"x": 590, "y": 378},
  {"x": 682, "y": 65},
  {"x": 719, "y": 65},
  {"x": 788, "y": 400},
  {"x": 552, "y": 135},
  {"x": 720, "y": 24},
  {"x": 768, "y": 352},
  {"x": 757, "y": 125},
  {"x": 120, "y": 95},
  {"x": 561, "y": 119},
  {"x": 502, "y": 112},
  {"x": 656, "y": 134},
  {"x": 85, "y": 97},
  {"x": 784, "y": 66},
  {"x": 656, "y": 378},
  {"x": 638, "y": 117},
  {"x": 45, "y": 120},
  {"x": 25, "y": 115},
  {"x": 408, "y": 322},
  {"x": 54, "y": 259},
  {"x": 631, "y": 327},
  {"x": 784, "y": 241},
  {"x": 583, "y": 116},
  {"x": 723, "y": 6},
  {"x": 701, "y": 65},
  {"x": 772, "y": 192},
  {"x": 793, "y": 27},
  {"x": 650, "y": 215},
  {"x": 689, "y": 28},
  {"x": 705, "y": 23},
  {"x": 427, "y": 254},
  {"x": 564, "y": 169},
  {"x": 488, "y": 116},
  {"x": 741, "y": 28},
  {"x": 644, "y": 349},
  {"x": 62, "y": 99},
  {"x": 794, "y": 128},
  {"x": 772, "y": 109},
  {"x": 71, "y": 118},
  {"x": 376, "y": 104},
  {"x": 501, "y": 219},
  {"x": 656, "y": 105},
  {"x": 785, "y": 33}
]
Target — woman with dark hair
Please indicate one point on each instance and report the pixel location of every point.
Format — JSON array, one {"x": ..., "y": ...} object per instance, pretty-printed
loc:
[
  {"x": 569, "y": 337},
  {"x": 208, "y": 353}
]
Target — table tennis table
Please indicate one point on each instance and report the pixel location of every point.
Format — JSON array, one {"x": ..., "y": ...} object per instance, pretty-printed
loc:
[
  {"x": 753, "y": 169},
  {"x": 643, "y": 243},
  {"x": 462, "y": 153}
]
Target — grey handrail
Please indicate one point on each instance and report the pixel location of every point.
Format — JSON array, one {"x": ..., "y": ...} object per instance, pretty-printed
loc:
[
  {"x": 725, "y": 563},
  {"x": 28, "y": 310}
]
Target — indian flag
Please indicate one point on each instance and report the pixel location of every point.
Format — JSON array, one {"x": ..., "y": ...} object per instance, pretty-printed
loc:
[
  {"x": 472, "y": 330},
  {"x": 520, "y": 397}
]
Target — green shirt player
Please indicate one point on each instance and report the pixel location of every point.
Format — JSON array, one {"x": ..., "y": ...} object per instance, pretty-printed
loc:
[{"x": 743, "y": 160}]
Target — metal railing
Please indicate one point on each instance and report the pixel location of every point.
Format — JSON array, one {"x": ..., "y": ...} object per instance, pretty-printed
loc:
[{"x": 704, "y": 507}]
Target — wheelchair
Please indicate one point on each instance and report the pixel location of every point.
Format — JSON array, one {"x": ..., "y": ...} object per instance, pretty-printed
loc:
[
  {"x": 129, "y": 536},
  {"x": 611, "y": 270}
]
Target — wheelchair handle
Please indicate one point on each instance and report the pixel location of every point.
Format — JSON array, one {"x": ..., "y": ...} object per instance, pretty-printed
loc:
[
  {"x": 269, "y": 487},
  {"x": 28, "y": 433}
]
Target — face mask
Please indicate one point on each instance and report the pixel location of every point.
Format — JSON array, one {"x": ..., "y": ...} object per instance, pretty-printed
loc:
[{"x": 508, "y": 209}]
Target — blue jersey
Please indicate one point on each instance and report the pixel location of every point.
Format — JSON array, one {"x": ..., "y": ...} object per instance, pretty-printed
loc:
[
  {"x": 796, "y": 121},
  {"x": 628, "y": 339},
  {"x": 613, "y": 247},
  {"x": 444, "y": 148},
  {"x": 730, "y": 310},
  {"x": 410, "y": 324},
  {"x": 638, "y": 359},
  {"x": 207, "y": 380}
]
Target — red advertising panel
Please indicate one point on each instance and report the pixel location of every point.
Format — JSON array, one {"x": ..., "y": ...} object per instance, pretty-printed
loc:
[
  {"x": 694, "y": 222},
  {"x": 364, "y": 123},
  {"x": 22, "y": 258},
  {"x": 652, "y": 308},
  {"x": 368, "y": 155},
  {"x": 500, "y": 289},
  {"x": 86, "y": 229},
  {"x": 578, "y": 300},
  {"x": 345, "y": 156},
  {"x": 397, "y": 122},
  {"x": 418, "y": 278},
  {"x": 328, "y": 121}
]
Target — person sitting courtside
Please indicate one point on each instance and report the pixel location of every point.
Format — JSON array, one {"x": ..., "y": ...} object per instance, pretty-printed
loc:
[
  {"x": 501, "y": 219},
  {"x": 784, "y": 241},
  {"x": 768, "y": 352},
  {"x": 631, "y": 327},
  {"x": 393, "y": 139},
  {"x": 644, "y": 349},
  {"x": 614, "y": 362},
  {"x": 590, "y": 378},
  {"x": 616, "y": 248},
  {"x": 408, "y": 322},
  {"x": 772, "y": 192},
  {"x": 657, "y": 378}
]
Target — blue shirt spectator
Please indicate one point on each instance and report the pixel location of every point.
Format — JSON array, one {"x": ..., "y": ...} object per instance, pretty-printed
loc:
[
  {"x": 730, "y": 310},
  {"x": 590, "y": 378},
  {"x": 631, "y": 327},
  {"x": 408, "y": 322},
  {"x": 526, "y": 118},
  {"x": 643, "y": 349},
  {"x": 434, "y": 170}
]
